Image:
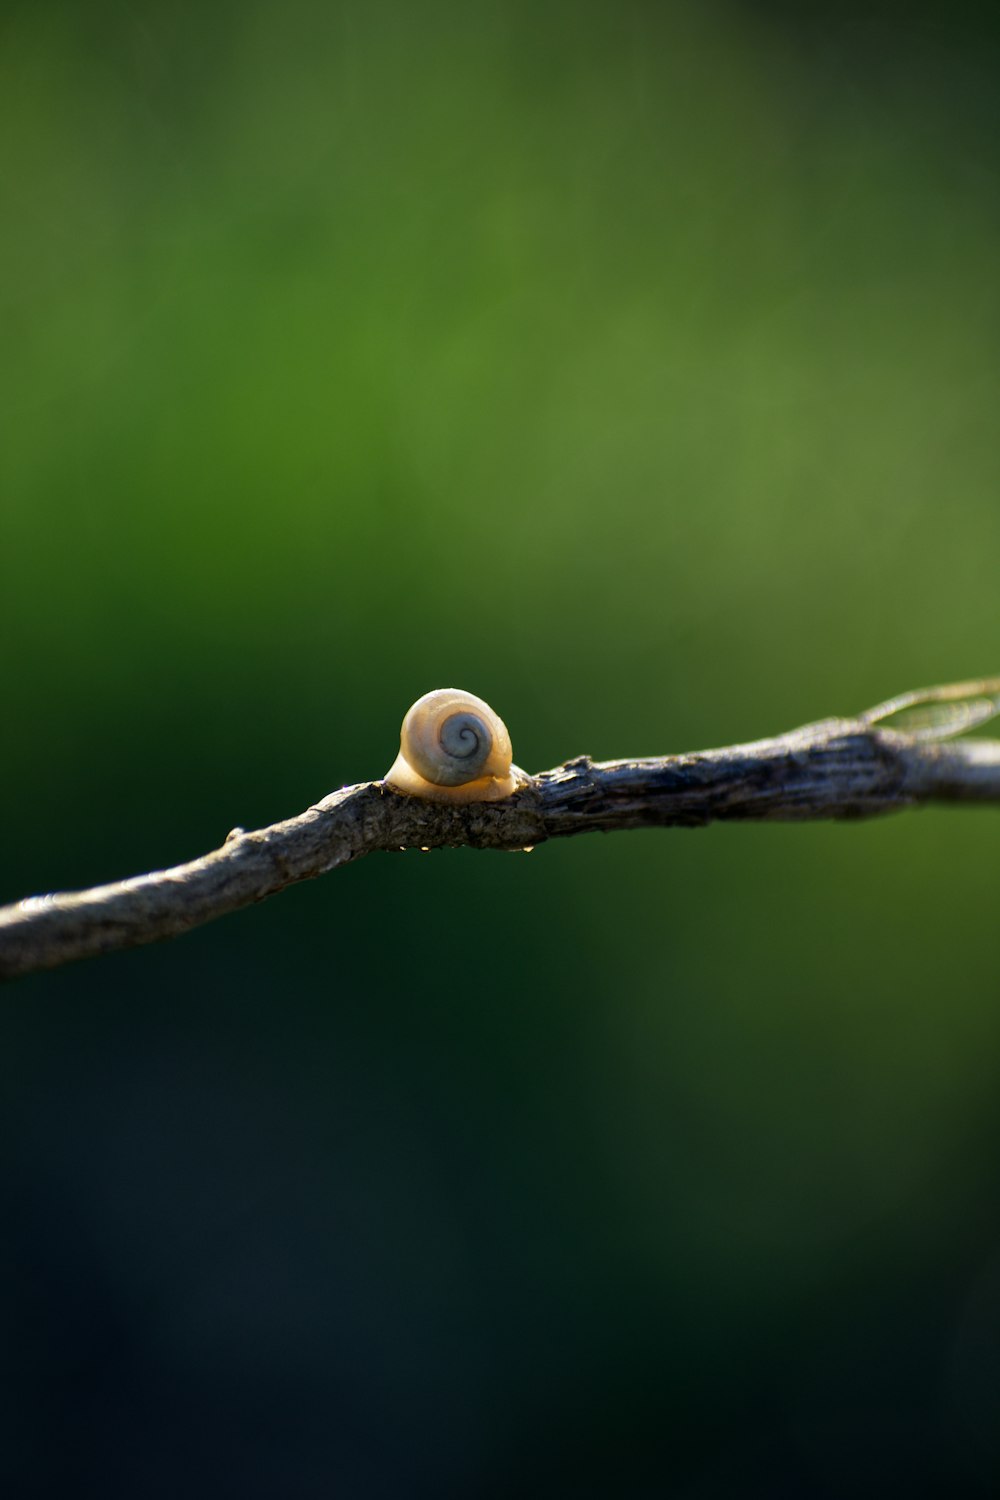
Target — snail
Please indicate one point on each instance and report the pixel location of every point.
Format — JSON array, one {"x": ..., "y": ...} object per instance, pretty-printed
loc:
[{"x": 454, "y": 748}]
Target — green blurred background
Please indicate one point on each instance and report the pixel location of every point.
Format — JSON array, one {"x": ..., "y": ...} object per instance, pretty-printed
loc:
[{"x": 634, "y": 366}]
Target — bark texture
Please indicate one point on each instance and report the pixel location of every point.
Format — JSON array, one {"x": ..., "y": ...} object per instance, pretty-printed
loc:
[{"x": 839, "y": 768}]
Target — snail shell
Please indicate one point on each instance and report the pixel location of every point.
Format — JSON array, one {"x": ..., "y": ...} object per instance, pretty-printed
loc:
[{"x": 454, "y": 748}]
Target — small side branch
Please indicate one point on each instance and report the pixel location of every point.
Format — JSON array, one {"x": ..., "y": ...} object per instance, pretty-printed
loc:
[{"x": 839, "y": 768}]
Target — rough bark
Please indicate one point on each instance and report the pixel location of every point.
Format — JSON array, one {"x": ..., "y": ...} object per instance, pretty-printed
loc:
[{"x": 839, "y": 768}]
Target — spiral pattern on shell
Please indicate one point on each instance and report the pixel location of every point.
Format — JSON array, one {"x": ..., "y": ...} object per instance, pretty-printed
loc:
[
  {"x": 450, "y": 737},
  {"x": 453, "y": 747}
]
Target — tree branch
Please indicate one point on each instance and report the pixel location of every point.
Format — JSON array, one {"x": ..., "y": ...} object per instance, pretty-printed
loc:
[{"x": 839, "y": 768}]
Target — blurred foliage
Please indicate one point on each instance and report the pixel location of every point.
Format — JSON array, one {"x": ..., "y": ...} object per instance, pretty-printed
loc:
[{"x": 635, "y": 367}]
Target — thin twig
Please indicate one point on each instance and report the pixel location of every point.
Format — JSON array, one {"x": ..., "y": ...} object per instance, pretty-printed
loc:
[{"x": 839, "y": 768}]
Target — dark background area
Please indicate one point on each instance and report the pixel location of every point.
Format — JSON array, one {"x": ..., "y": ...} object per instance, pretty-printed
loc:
[{"x": 635, "y": 367}]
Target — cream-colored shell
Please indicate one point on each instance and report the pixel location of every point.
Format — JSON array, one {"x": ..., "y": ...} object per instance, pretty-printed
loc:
[{"x": 454, "y": 748}]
